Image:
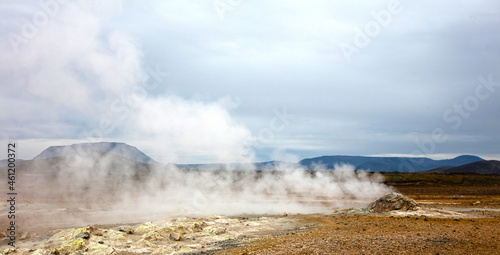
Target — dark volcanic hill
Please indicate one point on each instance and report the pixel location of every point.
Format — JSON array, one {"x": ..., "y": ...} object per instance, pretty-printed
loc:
[
  {"x": 84, "y": 149},
  {"x": 96, "y": 176},
  {"x": 388, "y": 164},
  {"x": 91, "y": 162},
  {"x": 481, "y": 167}
]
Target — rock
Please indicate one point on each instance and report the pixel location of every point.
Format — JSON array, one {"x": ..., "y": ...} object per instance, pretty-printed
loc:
[
  {"x": 25, "y": 235},
  {"x": 175, "y": 236},
  {"x": 393, "y": 201},
  {"x": 127, "y": 230},
  {"x": 146, "y": 227},
  {"x": 115, "y": 236},
  {"x": 215, "y": 230},
  {"x": 71, "y": 246},
  {"x": 84, "y": 235},
  {"x": 198, "y": 226},
  {"x": 98, "y": 248},
  {"x": 9, "y": 251},
  {"x": 154, "y": 236}
]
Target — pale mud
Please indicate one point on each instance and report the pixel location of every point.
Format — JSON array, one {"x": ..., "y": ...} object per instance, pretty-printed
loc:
[
  {"x": 456, "y": 213},
  {"x": 175, "y": 236}
]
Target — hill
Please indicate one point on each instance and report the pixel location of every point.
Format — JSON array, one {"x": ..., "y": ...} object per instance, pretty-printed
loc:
[
  {"x": 269, "y": 165},
  {"x": 388, "y": 164},
  {"x": 481, "y": 167},
  {"x": 85, "y": 149},
  {"x": 92, "y": 163},
  {"x": 4, "y": 162},
  {"x": 96, "y": 174}
]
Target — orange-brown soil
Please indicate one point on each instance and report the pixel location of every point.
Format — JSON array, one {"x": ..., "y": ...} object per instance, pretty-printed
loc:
[
  {"x": 342, "y": 234},
  {"x": 478, "y": 198}
]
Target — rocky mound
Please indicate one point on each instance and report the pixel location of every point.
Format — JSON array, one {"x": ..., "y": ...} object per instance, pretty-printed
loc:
[{"x": 393, "y": 201}]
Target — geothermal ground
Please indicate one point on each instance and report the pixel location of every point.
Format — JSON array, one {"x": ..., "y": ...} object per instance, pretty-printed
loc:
[{"x": 458, "y": 214}]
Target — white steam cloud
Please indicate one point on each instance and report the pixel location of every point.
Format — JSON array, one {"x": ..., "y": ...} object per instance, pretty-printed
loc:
[
  {"x": 205, "y": 131},
  {"x": 290, "y": 190},
  {"x": 93, "y": 67},
  {"x": 100, "y": 188}
]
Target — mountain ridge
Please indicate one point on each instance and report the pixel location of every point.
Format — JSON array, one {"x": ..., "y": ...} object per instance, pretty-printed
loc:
[
  {"x": 480, "y": 167},
  {"x": 4, "y": 162},
  {"x": 266, "y": 165},
  {"x": 369, "y": 163},
  {"x": 387, "y": 164},
  {"x": 119, "y": 148}
]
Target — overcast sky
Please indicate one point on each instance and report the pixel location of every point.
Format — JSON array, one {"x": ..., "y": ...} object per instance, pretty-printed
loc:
[{"x": 239, "y": 80}]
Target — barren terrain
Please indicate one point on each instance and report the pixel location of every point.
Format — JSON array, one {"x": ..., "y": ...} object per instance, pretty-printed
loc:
[{"x": 458, "y": 214}]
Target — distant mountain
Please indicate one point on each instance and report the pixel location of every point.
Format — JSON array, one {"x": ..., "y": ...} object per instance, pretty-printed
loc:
[
  {"x": 5, "y": 162},
  {"x": 98, "y": 151},
  {"x": 96, "y": 176},
  {"x": 481, "y": 167},
  {"x": 269, "y": 165},
  {"x": 90, "y": 162},
  {"x": 387, "y": 164},
  {"x": 374, "y": 164},
  {"x": 86, "y": 149},
  {"x": 460, "y": 160}
]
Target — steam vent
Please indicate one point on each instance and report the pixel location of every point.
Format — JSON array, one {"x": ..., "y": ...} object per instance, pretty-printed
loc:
[{"x": 393, "y": 201}]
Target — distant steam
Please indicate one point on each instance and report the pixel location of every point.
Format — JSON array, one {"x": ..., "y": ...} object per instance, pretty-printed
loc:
[{"x": 106, "y": 188}]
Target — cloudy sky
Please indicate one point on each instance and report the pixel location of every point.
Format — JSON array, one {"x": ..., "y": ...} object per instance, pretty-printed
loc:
[{"x": 239, "y": 80}]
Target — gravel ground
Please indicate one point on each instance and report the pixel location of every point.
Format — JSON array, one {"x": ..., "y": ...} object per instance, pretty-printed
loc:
[{"x": 347, "y": 234}]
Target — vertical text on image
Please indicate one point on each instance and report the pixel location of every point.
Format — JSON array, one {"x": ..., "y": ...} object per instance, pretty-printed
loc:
[{"x": 11, "y": 193}]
